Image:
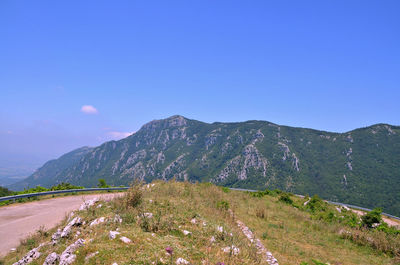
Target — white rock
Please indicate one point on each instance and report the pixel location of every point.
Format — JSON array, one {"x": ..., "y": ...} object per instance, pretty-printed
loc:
[
  {"x": 113, "y": 234},
  {"x": 87, "y": 204},
  {"x": 212, "y": 240},
  {"x": 67, "y": 229},
  {"x": 193, "y": 221},
  {"x": 99, "y": 206},
  {"x": 125, "y": 240},
  {"x": 117, "y": 219},
  {"x": 51, "y": 259},
  {"x": 186, "y": 232},
  {"x": 67, "y": 257},
  {"x": 13, "y": 249},
  {"x": 148, "y": 215},
  {"x": 98, "y": 221},
  {"x": 181, "y": 261},
  {"x": 30, "y": 256},
  {"x": 91, "y": 255},
  {"x": 235, "y": 250},
  {"x": 220, "y": 229}
]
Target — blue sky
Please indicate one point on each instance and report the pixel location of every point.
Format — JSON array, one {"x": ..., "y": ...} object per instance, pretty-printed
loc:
[{"x": 329, "y": 65}]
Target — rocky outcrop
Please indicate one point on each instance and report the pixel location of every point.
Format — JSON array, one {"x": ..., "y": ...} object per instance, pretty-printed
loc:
[
  {"x": 30, "y": 256},
  {"x": 68, "y": 256},
  {"x": 51, "y": 259},
  {"x": 77, "y": 221}
]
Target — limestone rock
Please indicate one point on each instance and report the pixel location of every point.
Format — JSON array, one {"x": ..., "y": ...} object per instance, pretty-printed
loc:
[
  {"x": 51, "y": 259},
  {"x": 67, "y": 257}
]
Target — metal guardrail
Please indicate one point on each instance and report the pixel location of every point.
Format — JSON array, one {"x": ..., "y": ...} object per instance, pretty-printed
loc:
[
  {"x": 20, "y": 196},
  {"x": 15, "y": 197}
]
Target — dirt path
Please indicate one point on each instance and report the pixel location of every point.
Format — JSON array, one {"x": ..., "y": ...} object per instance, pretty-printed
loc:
[{"x": 18, "y": 221}]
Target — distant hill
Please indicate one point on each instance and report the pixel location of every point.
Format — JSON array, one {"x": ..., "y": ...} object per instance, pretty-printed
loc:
[
  {"x": 48, "y": 174},
  {"x": 360, "y": 167}
]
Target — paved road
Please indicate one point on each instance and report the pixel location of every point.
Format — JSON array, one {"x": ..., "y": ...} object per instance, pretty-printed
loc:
[{"x": 18, "y": 221}]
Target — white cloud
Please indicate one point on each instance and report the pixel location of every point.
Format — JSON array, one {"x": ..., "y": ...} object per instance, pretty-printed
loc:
[
  {"x": 89, "y": 109},
  {"x": 119, "y": 135}
]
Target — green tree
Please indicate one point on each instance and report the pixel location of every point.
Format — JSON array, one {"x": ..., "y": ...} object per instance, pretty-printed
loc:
[
  {"x": 372, "y": 217},
  {"x": 102, "y": 184}
]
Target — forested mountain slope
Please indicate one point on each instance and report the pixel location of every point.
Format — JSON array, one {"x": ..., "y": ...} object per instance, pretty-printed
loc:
[{"x": 361, "y": 167}]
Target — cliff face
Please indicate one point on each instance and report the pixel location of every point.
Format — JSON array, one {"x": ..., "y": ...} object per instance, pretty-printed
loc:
[{"x": 360, "y": 167}]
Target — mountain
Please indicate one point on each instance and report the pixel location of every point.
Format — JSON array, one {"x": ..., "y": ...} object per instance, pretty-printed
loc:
[
  {"x": 360, "y": 167},
  {"x": 48, "y": 174}
]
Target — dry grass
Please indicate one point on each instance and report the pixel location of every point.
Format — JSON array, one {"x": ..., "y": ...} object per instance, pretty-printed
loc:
[{"x": 287, "y": 232}]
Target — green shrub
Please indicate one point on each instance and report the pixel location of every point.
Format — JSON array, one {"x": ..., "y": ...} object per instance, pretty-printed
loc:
[
  {"x": 316, "y": 204},
  {"x": 102, "y": 184},
  {"x": 371, "y": 218},
  {"x": 226, "y": 189},
  {"x": 285, "y": 198},
  {"x": 223, "y": 205}
]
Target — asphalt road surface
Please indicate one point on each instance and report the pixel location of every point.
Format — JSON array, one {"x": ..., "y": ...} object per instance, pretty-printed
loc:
[{"x": 18, "y": 221}]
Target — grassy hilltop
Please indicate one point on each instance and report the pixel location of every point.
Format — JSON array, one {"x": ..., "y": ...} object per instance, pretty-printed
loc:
[{"x": 195, "y": 223}]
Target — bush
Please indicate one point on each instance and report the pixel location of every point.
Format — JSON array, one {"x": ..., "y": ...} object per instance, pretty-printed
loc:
[
  {"x": 226, "y": 189},
  {"x": 223, "y": 205},
  {"x": 134, "y": 195},
  {"x": 102, "y": 184},
  {"x": 285, "y": 198},
  {"x": 371, "y": 218},
  {"x": 316, "y": 204}
]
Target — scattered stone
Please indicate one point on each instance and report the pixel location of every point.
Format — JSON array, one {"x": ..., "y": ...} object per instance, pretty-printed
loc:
[
  {"x": 97, "y": 221},
  {"x": 52, "y": 259},
  {"x": 99, "y": 206},
  {"x": 113, "y": 234},
  {"x": 220, "y": 229},
  {"x": 56, "y": 236},
  {"x": 125, "y": 240},
  {"x": 251, "y": 237},
  {"x": 91, "y": 255},
  {"x": 115, "y": 263},
  {"x": 117, "y": 219},
  {"x": 148, "y": 215},
  {"x": 193, "y": 221},
  {"x": 182, "y": 261},
  {"x": 30, "y": 256},
  {"x": 212, "y": 240},
  {"x": 186, "y": 232},
  {"x": 66, "y": 231},
  {"x": 71, "y": 215},
  {"x": 67, "y": 257},
  {"x": 233, "y": 249},
  {"x": 13, "y": 249},
  {"x": 150, "y": 201},
  {"x": 87, "y": 204}
]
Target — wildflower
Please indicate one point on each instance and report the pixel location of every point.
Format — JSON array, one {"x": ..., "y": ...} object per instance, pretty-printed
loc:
[{"x": 169, "y": 250}]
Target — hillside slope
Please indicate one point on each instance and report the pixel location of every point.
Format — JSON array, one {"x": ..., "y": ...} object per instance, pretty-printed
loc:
[
  {"x": 205, "y": 224},
  {"x": 361, "y": 167}
]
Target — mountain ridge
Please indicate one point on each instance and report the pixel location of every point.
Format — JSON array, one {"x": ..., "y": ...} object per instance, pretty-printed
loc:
[{"x": 346, "y": 167}]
